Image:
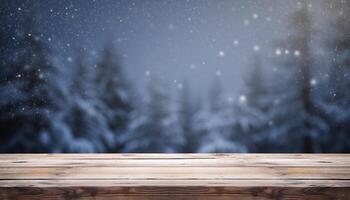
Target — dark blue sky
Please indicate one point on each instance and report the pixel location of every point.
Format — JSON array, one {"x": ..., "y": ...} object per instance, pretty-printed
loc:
[{"x": 177, "y": 40}]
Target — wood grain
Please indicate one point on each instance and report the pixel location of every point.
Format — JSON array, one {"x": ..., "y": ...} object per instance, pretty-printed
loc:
[{"x": 175, "y": 176}]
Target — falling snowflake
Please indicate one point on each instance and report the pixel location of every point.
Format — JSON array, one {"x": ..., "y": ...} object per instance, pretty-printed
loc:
[
  {"x": 278, "y": 52},
  {"x": 242, "y": 98},
  {"x": 256, "y": 48},
  {"x": 313, "y": 82},
  {"x": 297, "y": 53}
]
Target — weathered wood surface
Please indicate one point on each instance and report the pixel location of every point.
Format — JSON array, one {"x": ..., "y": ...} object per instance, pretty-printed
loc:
[{"x": 175, "y": 176}]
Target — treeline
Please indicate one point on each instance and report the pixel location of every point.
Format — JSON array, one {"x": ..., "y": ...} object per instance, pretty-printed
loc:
[{"x": 300, "y": 107}]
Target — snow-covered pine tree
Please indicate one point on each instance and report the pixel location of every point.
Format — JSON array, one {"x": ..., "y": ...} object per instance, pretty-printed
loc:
[
  {"x": 216, "y": 124},
  {"x": 252, "y": 107},
  {"x": 155, "y": 128},
  {"x": 337, "y": 101},
  {"x": 28, "y": 113},
  {"x": 296, "y": 122},
  {"x": 89, "y": 129},
  {"x": 6, "y": 75},
  {"x": 81, "y": 81},
  {"x": 186, "y": 114},
  {"x": 114, "y": 94},
  {"x": 255, "y": 84}
]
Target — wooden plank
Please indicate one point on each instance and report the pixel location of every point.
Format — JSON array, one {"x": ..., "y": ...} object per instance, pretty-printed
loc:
[
  {"x": 175, "y": 176},
  {"x": 153, "y": 160},
  {"x": 174, "y": 183},
  {"x": 173, "y": 173},
  {"x": 240, "y": 162},
  {"x": 168, "y": 163},
  {"x": 177, "y": 193}
]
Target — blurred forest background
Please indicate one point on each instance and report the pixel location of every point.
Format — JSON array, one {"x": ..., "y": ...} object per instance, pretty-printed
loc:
[{"x": 303, "y": 106}]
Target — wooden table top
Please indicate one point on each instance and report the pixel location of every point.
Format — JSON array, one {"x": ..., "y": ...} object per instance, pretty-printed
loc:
[{"x": 175, "y": 176}]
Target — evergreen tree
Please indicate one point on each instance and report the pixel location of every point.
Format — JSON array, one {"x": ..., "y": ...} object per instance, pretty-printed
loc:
[
  {"x": 296, "y": 122},
  {"x": 81, "y": 82},
  {"x": 255, "y": 84},
  {"x": 216, "y": 99},
  {"x": 89, "y": 130},
  {"x": 6, "y": 76},
  {"x": 186, "y": 115},
  {"x": 216, "y": 124},
  {"x": 155, "y": 129},
  {"x": 114, "y": 93},
  {"x": 337, "y": 101},
  {"x": 252, "y": 108},
  {"x": 33, "y": 95}
]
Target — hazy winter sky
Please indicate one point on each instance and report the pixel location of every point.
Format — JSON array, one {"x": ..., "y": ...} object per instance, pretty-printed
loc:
[{"x": 194, "y": 39}]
